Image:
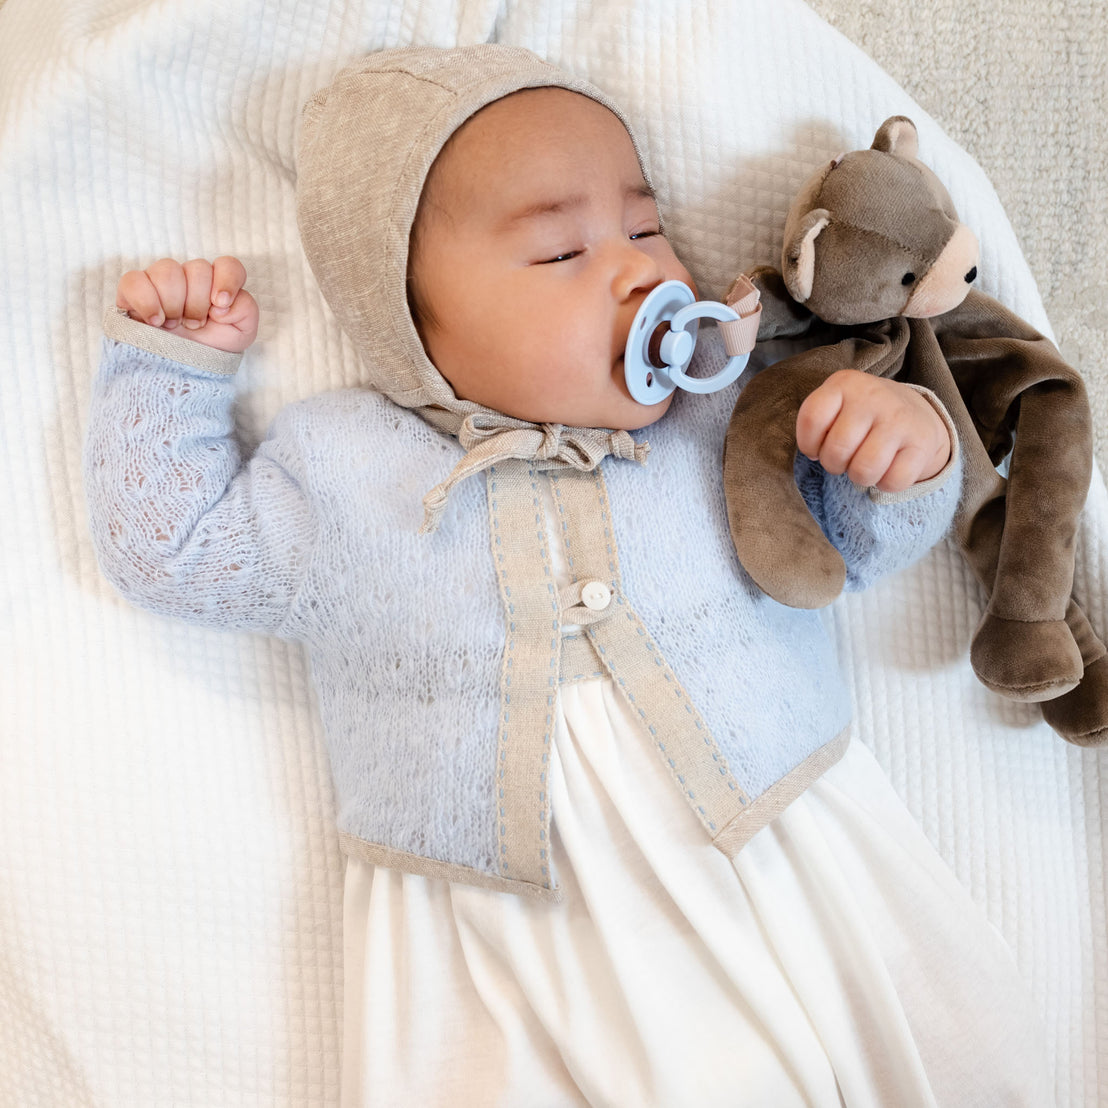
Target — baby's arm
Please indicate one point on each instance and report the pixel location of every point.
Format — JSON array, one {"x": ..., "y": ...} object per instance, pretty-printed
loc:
[
  {"x": 180, "y": 525},
  {"x": 879, "y": 468}
]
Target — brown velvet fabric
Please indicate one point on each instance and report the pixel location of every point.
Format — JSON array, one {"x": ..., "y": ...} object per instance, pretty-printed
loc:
[
  {"x": 778, "y": 541},
  {"x": 874, "y": 235},
  {"x": 1007, "y": 389}
]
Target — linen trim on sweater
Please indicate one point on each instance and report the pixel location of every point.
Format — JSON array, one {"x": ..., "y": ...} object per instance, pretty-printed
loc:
[
  {"x": 767, "y": 807},
  {"x": 120, "y": 326},
  {"x": 529, "y": 673},
  {"x": 377, "y": 855},
  {"x": 630, "y": 655}
]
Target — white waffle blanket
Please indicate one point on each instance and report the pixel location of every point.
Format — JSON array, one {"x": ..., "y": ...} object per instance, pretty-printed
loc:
[{"x": 170, "y": 884}]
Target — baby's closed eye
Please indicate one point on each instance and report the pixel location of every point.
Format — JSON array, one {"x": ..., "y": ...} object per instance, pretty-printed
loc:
[
  {"x": 568, "y": 255},
  {"x": 565, "y": 256}
]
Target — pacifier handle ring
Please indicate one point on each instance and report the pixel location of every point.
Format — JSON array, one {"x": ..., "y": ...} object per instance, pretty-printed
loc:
[
  {"x": 672, "y": 305},
  {"x": 690, "y": 315}
]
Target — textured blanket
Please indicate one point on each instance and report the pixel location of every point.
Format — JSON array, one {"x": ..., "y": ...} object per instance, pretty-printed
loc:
[{"x": 170, "y": 882}]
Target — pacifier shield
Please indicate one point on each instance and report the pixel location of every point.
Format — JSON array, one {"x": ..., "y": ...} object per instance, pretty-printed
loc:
[
  {"x": 647, "y": 382},
  {"x": 661, "y": 342}
]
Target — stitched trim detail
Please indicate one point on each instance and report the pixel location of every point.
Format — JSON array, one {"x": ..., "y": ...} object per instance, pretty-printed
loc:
[
  {"x": 767, "y": 807},
  {"x": 579, "y": 660},
  {"x": 118, "y": 325},
  {"x": 632, "y": 658},
  {"x": 377, "y": 855},
  {"x": 529, "y": 673}
]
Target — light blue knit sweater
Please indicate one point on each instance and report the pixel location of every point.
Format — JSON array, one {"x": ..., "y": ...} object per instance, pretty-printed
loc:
[{"x": 315, "y": 538}]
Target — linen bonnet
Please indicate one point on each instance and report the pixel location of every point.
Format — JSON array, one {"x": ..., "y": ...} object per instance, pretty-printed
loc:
[{"x": 366, "y": 145}]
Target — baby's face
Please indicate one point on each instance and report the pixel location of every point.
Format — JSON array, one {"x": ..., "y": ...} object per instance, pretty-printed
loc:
[{"x": 536, "y": 242}]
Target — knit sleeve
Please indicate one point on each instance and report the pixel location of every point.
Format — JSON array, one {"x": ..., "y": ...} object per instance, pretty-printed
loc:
[
  {"x": 879, "y": 533},
  {"x": 182, "y": 526}
]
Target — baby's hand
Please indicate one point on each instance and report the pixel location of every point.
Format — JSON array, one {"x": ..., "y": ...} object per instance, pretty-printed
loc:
[
  {"x": 878, "y": 432},
  {"x": 199, "y": 300}
]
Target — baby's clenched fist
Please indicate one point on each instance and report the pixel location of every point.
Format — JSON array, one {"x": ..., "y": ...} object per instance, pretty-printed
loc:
[
  {"x": 199, "y": 300},
  {"x": 878, "y": 432}
]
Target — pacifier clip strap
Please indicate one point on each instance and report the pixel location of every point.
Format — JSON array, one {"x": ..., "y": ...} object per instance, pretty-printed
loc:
[{"x": 740, "y": 335}]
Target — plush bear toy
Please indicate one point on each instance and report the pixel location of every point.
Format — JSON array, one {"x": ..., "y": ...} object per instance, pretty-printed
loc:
[{"x": 878, "y": 269}]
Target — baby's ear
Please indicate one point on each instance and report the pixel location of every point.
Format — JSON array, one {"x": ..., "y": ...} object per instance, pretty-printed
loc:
[
  {"x": 897, "y": 135},
  {"x": 799, "y": 254}
]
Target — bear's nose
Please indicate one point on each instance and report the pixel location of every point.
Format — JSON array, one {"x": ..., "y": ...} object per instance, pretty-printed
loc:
[{"x": 971, "y": 276}]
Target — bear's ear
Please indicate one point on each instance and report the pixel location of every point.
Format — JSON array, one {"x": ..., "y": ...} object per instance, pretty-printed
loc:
[
  {"x": 897, "y": 135},
  {"x": 799, "y": 254}
]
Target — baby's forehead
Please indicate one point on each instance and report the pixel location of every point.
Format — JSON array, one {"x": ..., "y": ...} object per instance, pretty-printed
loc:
[
  {"x": 537, "y": 123},
  {"x": 527, "y": 137}
]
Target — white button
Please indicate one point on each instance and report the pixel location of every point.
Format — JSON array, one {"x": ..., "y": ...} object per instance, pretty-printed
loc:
[{"x": 596, "y": 596}]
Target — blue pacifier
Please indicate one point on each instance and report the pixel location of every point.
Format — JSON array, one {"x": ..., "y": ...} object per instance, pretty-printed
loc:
[{"x": 662, "y": 339}]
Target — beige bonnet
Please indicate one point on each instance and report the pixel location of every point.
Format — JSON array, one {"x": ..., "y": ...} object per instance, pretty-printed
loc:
[{"x": 367, "y": 143}]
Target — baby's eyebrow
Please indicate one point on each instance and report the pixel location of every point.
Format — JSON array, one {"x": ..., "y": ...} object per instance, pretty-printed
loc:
[{"x": 562, "y": 204}]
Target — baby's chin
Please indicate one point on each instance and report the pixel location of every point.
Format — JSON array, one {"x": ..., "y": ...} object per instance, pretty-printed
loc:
[
  {"x": 633, "y": 416},
  {"x": 627, "y": 413}
]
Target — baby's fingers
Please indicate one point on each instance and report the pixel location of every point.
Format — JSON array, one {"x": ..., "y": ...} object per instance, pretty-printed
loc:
[
  {"x": 228, "y": 277},
  {"x": 136, "y": 295},
  {"x": 153, "y": 295},
  {"x": 906, "y": 468},
  {"x": 829, "y": 429},
  {"x": 198, "y": 293},
  {"x": 879, "y": 458},
  {"x": 237, "y": 326},
  {"x": 815, "y": 417}
]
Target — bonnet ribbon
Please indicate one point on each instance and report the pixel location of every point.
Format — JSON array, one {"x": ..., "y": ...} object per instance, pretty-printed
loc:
[{"x": 490, "y": 438}]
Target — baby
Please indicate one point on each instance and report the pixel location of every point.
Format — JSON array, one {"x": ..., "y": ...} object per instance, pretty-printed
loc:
[{"x": 606, "y": 840}]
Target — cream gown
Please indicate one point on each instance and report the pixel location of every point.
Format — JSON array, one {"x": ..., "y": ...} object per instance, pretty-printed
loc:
[{"x": 836, "y": 960}]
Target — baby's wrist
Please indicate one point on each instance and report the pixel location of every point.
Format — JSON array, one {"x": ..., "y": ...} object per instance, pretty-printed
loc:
[
  {"x": 944, "y": 452},
  {"x": 940, "y": 476},
  {"x": 940, "y": 456}
]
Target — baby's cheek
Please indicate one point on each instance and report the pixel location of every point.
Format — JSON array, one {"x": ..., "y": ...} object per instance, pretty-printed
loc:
[{"x": 675, "y": 270}]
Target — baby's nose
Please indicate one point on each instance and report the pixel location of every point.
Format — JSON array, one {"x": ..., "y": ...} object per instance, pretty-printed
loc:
[{"x": 636, "y": 272}]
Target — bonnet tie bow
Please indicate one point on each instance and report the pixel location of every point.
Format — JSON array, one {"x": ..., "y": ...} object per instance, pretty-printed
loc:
[{"x": 489, "y": 439}]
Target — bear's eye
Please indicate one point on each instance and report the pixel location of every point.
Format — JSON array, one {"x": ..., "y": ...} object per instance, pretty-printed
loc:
[
  {"x": 971, "y": 276},
  {"x": 908, "y": 278}
]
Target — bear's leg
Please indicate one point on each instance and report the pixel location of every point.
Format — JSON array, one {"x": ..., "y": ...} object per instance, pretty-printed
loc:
[
  {"x": 1081, "y": 716},
  {"x": 1014, "y": 653},
  {"x": 1024, "y": 647},
  {"x": 1025, "y": 661}
]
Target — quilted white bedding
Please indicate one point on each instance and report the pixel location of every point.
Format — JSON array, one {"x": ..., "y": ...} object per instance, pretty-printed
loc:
[{"x": 170, "y": 883}]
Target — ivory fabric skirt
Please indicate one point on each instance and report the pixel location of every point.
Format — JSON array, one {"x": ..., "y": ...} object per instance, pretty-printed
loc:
[{"x": 836, "y": 960}]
